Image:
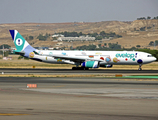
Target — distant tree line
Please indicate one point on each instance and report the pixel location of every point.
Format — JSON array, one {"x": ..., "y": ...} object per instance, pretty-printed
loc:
[
  {"x": 97, "y": 36},
  {"x": 104, "y": 35},
  {"x": 112, "y": 46},
  {"x": 153, "y": 43},
  {"x": 43, "y": 37},
  {"x": 29, "y": 38},
  {"x": 5, "y": 46},
  {"x": 86, "y": 47},
  {"x": 147, "y": 18},
  {"x": 71, "y": 34},
  {"x": 143, "y": 28}
]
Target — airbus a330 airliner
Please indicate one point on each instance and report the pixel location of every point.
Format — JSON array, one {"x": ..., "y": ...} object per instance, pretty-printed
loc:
[{"x": 84, "y": 59}]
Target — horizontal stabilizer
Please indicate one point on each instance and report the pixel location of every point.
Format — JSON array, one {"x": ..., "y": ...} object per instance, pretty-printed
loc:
[{"x": 19, "y": 52}]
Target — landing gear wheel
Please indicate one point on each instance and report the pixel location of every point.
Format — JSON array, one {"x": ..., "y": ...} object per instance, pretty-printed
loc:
[{"x": 140, "y": 67}]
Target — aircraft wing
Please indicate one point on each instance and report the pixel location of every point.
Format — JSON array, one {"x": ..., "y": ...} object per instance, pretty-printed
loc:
[{"x": 75, "y": 59}]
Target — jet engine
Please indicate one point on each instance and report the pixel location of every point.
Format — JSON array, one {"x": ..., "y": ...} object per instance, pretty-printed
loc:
[{"x": 90, "y": 64}]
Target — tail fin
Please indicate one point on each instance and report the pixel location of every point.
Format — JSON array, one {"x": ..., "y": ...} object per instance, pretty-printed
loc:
[{"x": 22, "y": 46}]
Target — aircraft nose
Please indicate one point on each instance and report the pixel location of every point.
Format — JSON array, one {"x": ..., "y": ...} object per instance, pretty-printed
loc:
[{"x": 154, "y": 58}]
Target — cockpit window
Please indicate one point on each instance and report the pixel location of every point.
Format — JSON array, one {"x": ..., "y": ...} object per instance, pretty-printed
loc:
[{"x": 149, "y": 56}]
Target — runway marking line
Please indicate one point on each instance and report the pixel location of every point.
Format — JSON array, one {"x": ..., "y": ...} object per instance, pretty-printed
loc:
[{"x": 11, "y": 114}]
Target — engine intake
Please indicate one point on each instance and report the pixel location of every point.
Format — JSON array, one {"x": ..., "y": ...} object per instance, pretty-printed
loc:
[{"x": 90, "y": 64}]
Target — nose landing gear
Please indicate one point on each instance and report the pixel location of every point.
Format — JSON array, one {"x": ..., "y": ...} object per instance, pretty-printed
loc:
[
  {"x": 139, "y": 61},
  {"x": 140, "y": 67}
]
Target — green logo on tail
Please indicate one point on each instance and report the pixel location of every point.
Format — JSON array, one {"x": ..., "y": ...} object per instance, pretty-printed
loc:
[{"x": 19, "y": 42}]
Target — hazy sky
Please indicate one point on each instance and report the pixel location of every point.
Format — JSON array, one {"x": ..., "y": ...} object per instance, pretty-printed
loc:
[{"x": 57, "y": 11}]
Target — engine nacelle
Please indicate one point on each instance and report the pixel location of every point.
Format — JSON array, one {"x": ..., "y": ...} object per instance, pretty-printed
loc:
[
  {"x": 107, "y": 66},
  {"x": 90, "y": 64}
]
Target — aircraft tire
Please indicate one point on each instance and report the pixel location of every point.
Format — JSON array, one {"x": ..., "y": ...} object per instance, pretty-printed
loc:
[{"x": 140, "y": 69}]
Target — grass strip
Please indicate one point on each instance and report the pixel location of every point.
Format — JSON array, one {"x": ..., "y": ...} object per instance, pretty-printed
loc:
[{"x": 144, "y": 76}]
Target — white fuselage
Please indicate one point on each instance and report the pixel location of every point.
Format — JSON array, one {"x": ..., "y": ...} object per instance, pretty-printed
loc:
[{"x": 106, "y": 57}]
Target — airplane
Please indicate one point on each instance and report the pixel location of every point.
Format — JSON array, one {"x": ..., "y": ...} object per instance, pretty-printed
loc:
[{"x": 84, "y": 59}]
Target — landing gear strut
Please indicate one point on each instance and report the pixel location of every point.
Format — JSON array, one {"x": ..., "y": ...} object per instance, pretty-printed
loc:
[{"x": 140, "y": 67}]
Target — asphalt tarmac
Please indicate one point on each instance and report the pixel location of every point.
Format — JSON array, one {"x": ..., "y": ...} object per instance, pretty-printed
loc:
[
  {"x": 69, "y": 71},
  {"x": 78, "y": 98}
]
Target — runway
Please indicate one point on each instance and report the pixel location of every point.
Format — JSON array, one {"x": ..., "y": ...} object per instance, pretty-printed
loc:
[
  {"x": 90, "y": 81},
  {"x": 69, "y": 71},
  {"x": 78, "y": 98}
]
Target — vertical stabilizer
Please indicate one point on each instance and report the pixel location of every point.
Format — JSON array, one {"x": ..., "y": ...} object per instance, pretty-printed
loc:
[{"x": 21, "y": 44}]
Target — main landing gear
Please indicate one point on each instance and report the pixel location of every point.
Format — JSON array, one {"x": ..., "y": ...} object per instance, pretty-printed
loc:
[
  {"x": 79, "y": 68},
  {"x": 140, "y": 67}
]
